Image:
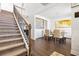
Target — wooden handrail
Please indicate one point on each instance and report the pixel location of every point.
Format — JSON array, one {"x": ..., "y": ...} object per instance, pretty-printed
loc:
[
  {"x": 26, "y": 21},
  {"x": 29, "y": 28},
  {"x": 20, "y": 30},
  {"x": 19, "y": 7}
]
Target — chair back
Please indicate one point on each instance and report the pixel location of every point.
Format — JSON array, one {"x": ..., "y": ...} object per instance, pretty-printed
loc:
[
  {"x": 46, "y": 32},
  {"x": 57, "y": 33}
]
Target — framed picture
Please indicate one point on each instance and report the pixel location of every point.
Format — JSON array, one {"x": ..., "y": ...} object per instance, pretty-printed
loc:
[{"x": 63, "y": 23}]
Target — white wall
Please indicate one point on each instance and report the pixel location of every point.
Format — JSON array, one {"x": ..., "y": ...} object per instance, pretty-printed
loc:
[
  {"x": 51, "y": 12},
  {"x": 30, "y": 8},
  {"x": 7, "y": 6},
  {"x": 0, "y": 7},
  {"x": 59, "y": 11},
  {"x": 33, "y": 9},
  {"x": 75, "y": 32}
]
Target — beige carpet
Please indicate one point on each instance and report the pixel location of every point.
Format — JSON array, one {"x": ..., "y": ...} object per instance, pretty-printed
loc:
[{"x": 56, "y": 54}]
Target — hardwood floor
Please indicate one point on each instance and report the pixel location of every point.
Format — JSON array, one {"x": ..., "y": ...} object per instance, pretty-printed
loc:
[{"x": 42, "y": 47}]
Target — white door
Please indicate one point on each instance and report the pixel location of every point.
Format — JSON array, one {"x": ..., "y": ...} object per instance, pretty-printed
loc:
[{"x": 75, "y": 36}]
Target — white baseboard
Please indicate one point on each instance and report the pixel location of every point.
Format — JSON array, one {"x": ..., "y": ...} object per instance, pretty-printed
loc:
[{"x": 75, "y": 52}]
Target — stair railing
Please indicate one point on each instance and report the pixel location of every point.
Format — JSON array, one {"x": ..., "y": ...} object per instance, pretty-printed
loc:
[{"x": 23, "y": 24}]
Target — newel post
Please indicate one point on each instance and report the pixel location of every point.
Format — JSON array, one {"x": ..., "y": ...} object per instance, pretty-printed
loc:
[{"x": 30, "y": 40}]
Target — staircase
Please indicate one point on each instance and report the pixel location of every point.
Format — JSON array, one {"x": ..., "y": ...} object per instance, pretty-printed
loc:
[{"x": 11, "y": 41}]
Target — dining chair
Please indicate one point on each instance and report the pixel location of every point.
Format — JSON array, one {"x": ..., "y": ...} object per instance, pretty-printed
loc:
[
  {"x": 58, "y": 35},
  {"x": 46, "y": 34}
]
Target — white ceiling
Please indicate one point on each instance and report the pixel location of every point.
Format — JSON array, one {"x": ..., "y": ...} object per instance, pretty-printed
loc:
[
  {"x": 50, "y": 11},
  {"x": 58, "y": 11},
  {"x": 34, "y": 8}
]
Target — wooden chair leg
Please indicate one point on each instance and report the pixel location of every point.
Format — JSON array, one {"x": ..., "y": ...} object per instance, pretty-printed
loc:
[
  {"x": 46, "y": 37},
  {"x": 59, "y": 41},
  {"x": 55, "y": 40}
]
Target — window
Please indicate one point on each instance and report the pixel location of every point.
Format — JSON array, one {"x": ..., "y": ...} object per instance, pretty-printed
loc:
[{"x": 41, "y": 23}]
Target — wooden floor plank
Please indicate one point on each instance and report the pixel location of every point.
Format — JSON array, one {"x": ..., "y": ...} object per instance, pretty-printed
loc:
[{"x": 41, "y": 47}]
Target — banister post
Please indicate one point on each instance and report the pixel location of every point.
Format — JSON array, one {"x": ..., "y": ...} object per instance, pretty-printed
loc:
[{"x": 30, "y": 40}]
